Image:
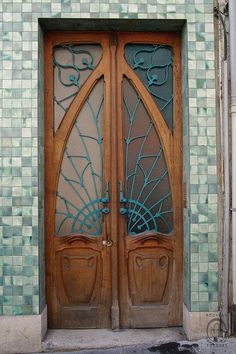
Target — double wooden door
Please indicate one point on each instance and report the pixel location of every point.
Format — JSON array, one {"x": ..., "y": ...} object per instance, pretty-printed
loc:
[{"x": 113, "y": 180}]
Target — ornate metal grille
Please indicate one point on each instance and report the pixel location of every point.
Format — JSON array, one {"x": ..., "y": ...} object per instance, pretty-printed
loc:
[
  {"x": 154, "y": 66},
  {"x": 148, "y": 198},
  {"x": 73, "y": 64},
  {"x": 79, "y": 195}
]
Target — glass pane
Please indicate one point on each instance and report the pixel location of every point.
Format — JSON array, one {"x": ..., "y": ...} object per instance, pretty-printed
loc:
[
  {"x": 72, "y": 66},
  {"x": 78, "y": 207},
  {"x": 154, "y": 66},
  {"x": 149, "y": 200}
]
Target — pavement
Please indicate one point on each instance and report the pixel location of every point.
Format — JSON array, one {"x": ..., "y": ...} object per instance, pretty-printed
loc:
[
  {"x": 164, "y": 348},
  {"x": 159, "y": 341}
]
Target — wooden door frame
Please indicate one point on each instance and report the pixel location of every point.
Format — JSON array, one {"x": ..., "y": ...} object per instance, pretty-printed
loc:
[{"x": 114, "y": 167}]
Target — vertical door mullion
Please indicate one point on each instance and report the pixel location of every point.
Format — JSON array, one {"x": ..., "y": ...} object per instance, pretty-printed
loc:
[
  {"x": 113, "y": 173},
  {"x": 122, "y": 271}
]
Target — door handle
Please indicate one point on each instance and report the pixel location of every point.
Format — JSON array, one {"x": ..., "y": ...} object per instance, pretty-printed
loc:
[
  {"x": 105, "y": 210},
  {"x": 107, "y": 243},
  {"x": 123, "y": 200},
  {"x": 106, "y": 199}
]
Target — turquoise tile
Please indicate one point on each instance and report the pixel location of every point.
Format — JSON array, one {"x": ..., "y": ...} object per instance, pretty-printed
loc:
[{"x": 21, "y": 79}]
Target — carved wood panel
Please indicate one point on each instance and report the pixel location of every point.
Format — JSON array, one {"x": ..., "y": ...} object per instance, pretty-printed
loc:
[
  {"x": 81, "y": 273},
  {"x": 150, "y": 275}
]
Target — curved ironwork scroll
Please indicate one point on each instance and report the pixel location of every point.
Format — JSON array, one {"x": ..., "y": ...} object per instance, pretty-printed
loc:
[
  {"x": 148, "y": 197},
  {"x": 154, "y": 66},
  {"x": 73, "y": 63},
  {"x": 79, "y": 205}
]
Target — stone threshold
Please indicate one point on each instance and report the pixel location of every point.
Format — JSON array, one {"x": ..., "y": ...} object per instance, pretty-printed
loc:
[{"x": 72, "y": 340}]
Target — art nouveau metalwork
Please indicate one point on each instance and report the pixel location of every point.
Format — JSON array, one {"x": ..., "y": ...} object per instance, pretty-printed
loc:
[
  {"x": 148, "y": 198},
  {"x": 79, "y": 204},
  {"x": 154, "y": 66},
  {"x": 73, "y": 64}
]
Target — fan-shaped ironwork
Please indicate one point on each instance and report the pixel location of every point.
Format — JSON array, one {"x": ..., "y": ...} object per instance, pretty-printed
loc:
[
  {"x": 148, "y": 197},
  {"x": 79, "y": 194}
]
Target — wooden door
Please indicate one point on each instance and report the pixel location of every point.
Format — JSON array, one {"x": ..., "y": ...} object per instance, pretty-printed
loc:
[
  {"x": 150, "y": 178},
  {"x": 113, "y": 180}
]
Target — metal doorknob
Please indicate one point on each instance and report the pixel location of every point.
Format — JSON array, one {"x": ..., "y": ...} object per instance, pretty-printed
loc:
[{"x": 107, "y": 243}]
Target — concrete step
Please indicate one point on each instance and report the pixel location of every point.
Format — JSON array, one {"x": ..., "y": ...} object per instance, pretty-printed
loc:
[{"x": 72, "y": 340}]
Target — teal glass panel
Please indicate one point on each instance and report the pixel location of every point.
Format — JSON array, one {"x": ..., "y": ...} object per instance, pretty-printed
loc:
[
  {"x": 73, "y": 63},
  {"x": 148, "y": 197},
  {"x": 79, "y": 204},
  {"x": 154, "y": 66}
]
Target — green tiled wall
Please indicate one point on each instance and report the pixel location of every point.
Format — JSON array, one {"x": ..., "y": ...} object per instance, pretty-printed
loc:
[{"x": 21, "y": 162}]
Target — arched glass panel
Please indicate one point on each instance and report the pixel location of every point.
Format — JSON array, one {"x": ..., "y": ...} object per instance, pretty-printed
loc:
[
  {"x": 78, "y": 205},
  {"x": 147, "y": 190},
  {"x": 154, "y": 66}
]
